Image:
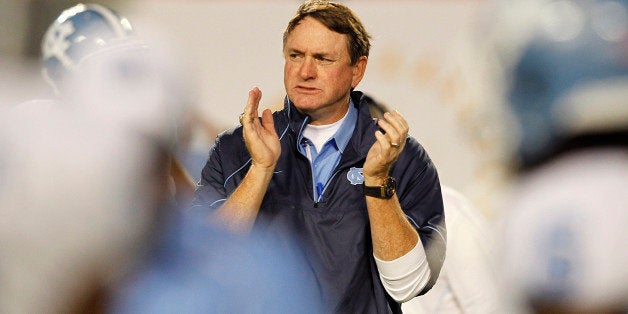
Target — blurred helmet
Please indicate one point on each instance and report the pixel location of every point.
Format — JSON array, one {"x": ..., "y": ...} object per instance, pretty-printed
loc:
[
  {"x": 98, "y": 64},
  {"x": 77, "y": 32},
  {"x": 571, "y": 78}
]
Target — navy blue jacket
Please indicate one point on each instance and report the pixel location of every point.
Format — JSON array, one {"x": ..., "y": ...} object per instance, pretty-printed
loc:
[{"x": 333, "y": 235}]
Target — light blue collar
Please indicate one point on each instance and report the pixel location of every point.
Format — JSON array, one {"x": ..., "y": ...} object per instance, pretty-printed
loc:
[{"x": 343, "y": 135}]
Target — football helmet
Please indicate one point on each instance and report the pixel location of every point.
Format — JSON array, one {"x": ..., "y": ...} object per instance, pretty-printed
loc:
[
  {"x": 571, "y": 78},
  {"x": 77, "y": 32}
]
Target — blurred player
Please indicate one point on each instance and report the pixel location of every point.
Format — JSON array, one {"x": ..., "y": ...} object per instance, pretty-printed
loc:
[
  {"x": 564, "y": 235},
  {"x": 86, "y": 177},
  {"x": 97, "y": 64},
  {"x": 195, "y": 268},
  {"x": 467, "y": 283},
  {"x": 76, "y": 206}
]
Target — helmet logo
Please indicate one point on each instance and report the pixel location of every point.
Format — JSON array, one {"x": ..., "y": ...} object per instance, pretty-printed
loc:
[{"x": 56, "y": 42}]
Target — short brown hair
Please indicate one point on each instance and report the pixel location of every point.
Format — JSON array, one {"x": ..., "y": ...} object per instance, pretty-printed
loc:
[{"x": 337, "y": 18}]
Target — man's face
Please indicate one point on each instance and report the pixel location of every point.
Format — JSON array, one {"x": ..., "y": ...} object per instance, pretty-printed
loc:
[{"x": 318, "y": 74}]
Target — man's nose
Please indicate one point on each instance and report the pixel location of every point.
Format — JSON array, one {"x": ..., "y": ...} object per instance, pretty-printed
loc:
[{"x": 308, "y": 69}]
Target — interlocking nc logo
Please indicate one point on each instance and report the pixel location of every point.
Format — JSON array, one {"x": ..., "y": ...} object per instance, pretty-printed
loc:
[
  {"x": 355, "y": 176},
  {"x": 56, "y": 42}
]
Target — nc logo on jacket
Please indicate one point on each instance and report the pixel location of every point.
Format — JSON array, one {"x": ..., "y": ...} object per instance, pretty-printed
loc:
[{"x": 355, "y": 176}]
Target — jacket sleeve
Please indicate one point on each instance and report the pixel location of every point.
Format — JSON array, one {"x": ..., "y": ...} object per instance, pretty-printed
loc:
[
  {"x": 419, "y": 193},
  {"x": 222, "y": 172}
]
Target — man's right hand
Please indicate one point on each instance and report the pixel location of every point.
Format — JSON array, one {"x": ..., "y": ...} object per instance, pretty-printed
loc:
[
  {"x": 239, "y": 211},
  {"x": 260, "y": 137}
]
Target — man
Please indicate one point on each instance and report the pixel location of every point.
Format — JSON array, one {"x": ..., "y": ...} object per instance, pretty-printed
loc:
[{"x": 360, "y": 198}]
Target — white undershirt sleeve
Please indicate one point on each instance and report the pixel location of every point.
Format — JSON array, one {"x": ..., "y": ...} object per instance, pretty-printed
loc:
[{"x": 404, "y": 277}]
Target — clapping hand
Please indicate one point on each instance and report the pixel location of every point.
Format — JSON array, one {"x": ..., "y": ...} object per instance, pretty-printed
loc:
[
  {"x": 388, "y": 146},
  {"x": 260, "y": 136}
]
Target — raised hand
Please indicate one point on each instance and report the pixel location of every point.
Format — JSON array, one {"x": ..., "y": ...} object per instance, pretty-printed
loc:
[
  {"x": 387, "y": 148},
  {"x": 260, "y": 137}
]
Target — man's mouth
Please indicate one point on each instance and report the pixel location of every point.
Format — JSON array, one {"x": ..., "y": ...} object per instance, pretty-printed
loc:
[{"x": 306, "y": 89}]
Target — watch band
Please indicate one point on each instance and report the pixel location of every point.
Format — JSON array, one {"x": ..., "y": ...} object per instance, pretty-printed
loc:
[
  {"x": 385, "y": 191},
  {"x": 375, "y": 191}
]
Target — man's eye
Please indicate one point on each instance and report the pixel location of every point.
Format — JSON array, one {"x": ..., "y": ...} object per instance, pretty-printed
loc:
[{"x": 324, "y": 60}]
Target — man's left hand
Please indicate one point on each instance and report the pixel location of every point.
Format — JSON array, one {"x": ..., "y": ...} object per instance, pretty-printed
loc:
[{"x": 386, "y": 149}]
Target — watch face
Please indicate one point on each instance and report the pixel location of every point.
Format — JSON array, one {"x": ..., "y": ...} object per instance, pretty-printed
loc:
[{"x": 390, "y": 186}]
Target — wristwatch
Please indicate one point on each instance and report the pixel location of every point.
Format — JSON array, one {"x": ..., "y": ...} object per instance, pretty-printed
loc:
[{"x": 385, "y": 191}]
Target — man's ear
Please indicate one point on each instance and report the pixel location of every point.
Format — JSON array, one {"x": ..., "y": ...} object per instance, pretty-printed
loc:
[{"x": 358, "y": 71}]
